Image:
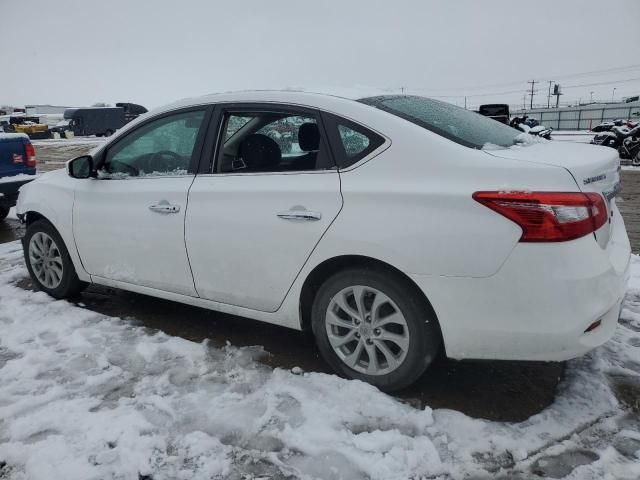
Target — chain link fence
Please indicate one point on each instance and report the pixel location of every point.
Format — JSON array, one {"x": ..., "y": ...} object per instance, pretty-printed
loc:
[{"x": 584, "y": 117}]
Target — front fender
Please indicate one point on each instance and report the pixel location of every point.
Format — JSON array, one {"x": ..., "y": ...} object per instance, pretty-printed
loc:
[{"x": 54, "y": 202}]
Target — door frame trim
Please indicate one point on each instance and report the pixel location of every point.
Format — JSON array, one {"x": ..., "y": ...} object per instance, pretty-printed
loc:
[
  {"x": 212, "y": 144},
  {"x": 197, "y": 149}
]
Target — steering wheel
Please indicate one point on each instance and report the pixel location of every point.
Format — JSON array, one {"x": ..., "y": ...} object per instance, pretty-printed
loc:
[
  {"x": 172, "y": 160},
  {"x": 117, "y": 166}
]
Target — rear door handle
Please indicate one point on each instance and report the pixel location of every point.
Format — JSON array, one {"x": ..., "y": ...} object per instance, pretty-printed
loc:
[
  {"x": 300, "y": 215},
  {"x": 164, "y": 207}
]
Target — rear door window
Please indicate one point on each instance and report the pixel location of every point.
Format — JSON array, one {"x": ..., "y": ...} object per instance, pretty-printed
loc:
[{"x": 272, "y": 141}]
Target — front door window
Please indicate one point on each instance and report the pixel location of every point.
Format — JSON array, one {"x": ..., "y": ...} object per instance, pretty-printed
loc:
[{"x": 164, "y": 147}]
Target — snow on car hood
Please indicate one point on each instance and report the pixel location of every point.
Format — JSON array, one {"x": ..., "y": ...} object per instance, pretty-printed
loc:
[{"x": 51, "y": 176}]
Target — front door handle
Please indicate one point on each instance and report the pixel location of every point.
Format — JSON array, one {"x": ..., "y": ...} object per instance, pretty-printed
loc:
[
  {"x": 299, "y": 214},
  {"x": 164, "y": 207}
]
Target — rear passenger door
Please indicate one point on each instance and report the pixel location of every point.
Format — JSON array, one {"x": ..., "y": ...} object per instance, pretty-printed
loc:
[{"x": 259, "y": 207}]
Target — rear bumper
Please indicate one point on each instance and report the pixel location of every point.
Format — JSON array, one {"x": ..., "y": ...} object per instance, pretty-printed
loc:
[
  {"x": 9, "y": 191},
  {"x": 539, "y": 304}
]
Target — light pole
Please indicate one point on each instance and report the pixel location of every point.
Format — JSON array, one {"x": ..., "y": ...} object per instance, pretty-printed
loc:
[
  {"x": 613, "y": 93},
  {"x": 591, "y": 100}
]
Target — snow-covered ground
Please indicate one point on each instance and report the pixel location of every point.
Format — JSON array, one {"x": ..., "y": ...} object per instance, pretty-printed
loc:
[
  {"x": 578, "y": 136},
  {"x": 85, "y": 396}
]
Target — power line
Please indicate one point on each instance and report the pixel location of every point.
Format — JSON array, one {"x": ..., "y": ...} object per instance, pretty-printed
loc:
[
  {"x": 602, "y": 83},
  {"x": 519, "y": 82},
  {"x": 505, "y": 92},
  {"x": 597, "y": 72}
]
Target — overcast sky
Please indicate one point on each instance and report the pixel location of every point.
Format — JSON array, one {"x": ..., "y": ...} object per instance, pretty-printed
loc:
[{"x": 78, "y": 52}]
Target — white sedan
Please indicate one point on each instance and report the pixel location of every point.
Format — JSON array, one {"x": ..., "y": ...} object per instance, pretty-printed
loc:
[{"x": 388, "y": 226}]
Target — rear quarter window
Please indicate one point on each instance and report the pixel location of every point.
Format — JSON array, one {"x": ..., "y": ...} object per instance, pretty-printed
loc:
[{"x": 351, "y": 142}]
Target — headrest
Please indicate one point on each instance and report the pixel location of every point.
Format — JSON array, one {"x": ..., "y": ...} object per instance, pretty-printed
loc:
[
  {"x": 309, "y": 137},
  {"x": 259, "y": 152}
]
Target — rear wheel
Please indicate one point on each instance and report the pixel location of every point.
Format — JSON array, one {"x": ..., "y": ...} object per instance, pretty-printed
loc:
[
  {"x": 48, "y": 261},
  {"x": 372, "y": 326},
  {"x": 636, "y": 160}
]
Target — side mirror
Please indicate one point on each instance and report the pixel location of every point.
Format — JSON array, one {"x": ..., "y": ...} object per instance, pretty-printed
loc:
[{"x": 81, "y": 167}]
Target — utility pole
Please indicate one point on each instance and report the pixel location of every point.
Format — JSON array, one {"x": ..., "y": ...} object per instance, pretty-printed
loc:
[
  {"x": 549, "y": 95},
  {"x": 557, "y": 92},
  {"x": 532, "y": 82},
  {"x": 524, "y": 101},
  {"x": 465, "y": 102},
  {"x": 591, "y": 100},
  {"x": 613, "y": 93}
]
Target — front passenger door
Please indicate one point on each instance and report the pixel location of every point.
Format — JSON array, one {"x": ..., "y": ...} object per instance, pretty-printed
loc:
[{"x": 129, "y": 222}]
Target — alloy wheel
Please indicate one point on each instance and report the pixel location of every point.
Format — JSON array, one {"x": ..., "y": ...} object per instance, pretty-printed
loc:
[
  {"x": 367, "y": 330},
  {"x": 46, "y": 260}
]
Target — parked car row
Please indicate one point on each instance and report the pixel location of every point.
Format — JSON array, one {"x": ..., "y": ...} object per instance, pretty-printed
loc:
[
  {"x": 17, "y": 167},
  {"x": 609, "y": 125},
  {"x": 500, "y": 113},
  {"x": 98, "y": 121},
  {"x": 625, "y": 138},
  {"x": 531, "y": 126}
]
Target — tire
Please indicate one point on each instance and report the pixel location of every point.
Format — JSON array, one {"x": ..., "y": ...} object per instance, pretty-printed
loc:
[
  {"x": 4, "y": 211},
  {"x": 108, "y": 133},
  {"x": 636, "y": 160},
  {"x": 420, "y": 335},
  {"x": 67, "y": 284}
]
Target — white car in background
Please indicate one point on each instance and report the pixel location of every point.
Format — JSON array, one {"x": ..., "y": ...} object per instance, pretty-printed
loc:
[{"x": 394, "y": 226}]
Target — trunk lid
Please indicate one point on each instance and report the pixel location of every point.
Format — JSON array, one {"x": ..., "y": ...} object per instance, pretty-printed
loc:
[{"x": 594, "y": 168}]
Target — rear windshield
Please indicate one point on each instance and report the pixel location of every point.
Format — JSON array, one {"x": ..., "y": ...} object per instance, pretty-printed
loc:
[{"x": 457, "y": 124}]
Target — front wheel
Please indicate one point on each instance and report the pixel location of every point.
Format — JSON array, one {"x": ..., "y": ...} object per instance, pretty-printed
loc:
[
  {"x": 373, "y": 326},
  {"x": 48, "y": 261}
]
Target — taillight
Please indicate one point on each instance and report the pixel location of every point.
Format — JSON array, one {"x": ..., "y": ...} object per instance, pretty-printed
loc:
[
  {"x": 548, "y": 216},
  {"x": 30, "y": 154}
]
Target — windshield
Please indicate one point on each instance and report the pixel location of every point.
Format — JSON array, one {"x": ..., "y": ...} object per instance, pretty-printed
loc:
[{"x": 457, "y": 124}]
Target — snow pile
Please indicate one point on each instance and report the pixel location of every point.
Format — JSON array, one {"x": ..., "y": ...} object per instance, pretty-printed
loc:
[
  {"x": 524, "y": 139},
  {"x": 85, "y": 396}
]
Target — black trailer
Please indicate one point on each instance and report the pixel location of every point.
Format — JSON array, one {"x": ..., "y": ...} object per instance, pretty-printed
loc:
[
  {"x": 497, "y": 111},
  {"x": 96, "y": 121}
]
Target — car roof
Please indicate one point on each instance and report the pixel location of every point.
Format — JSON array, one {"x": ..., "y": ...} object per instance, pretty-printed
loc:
[
  {"x": 310, "y": 99},
  {"x": 344, "y": 104}
]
